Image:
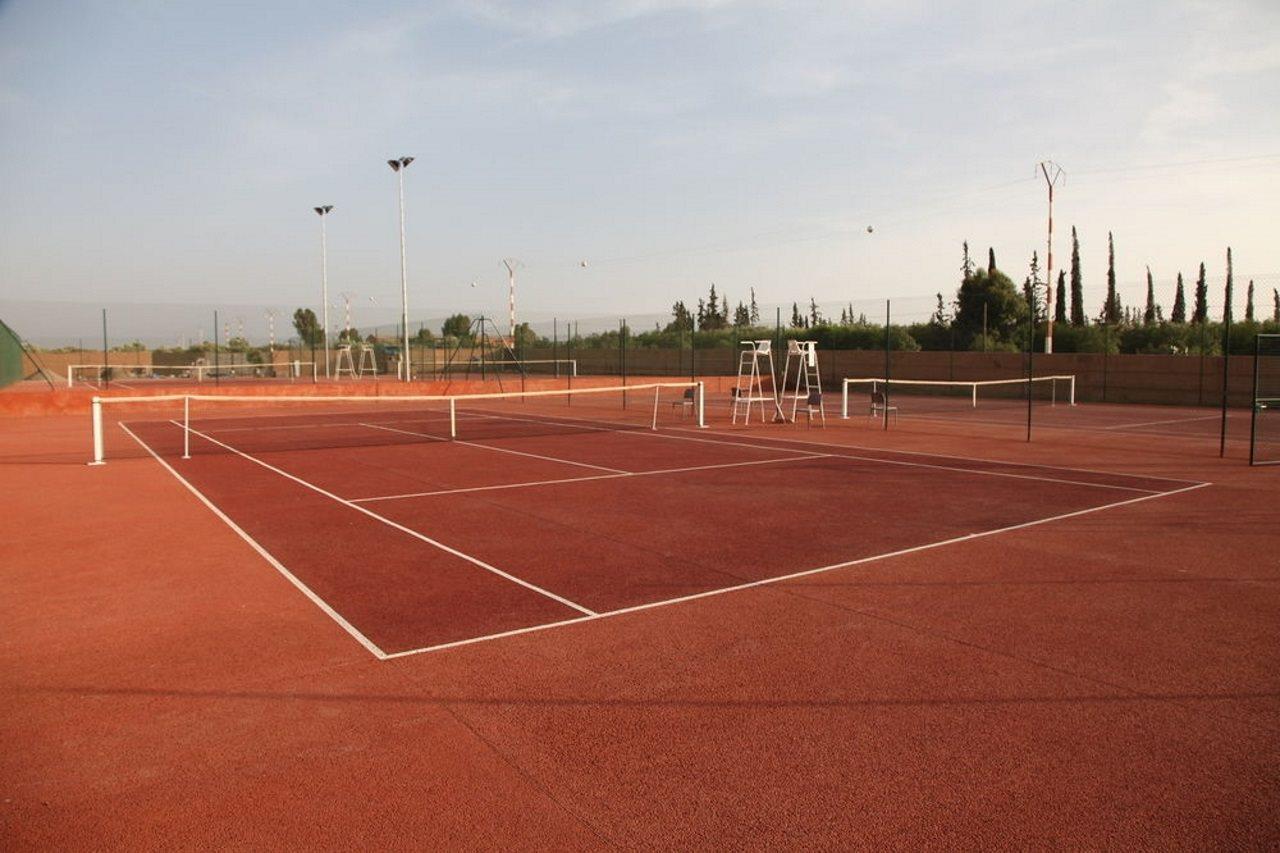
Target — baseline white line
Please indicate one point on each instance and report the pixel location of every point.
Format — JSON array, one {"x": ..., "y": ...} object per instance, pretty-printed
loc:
[
  {"x": 833, "y": 453},
  {"x": 1158, "y": 423},
  {"x": 265, "y": 554},
  {"x": 410, "y": 531},
  {"x": 801, "y": 574},
  {"x": 586, "y": 479},
  {"x": 952, "y": 456},
  {"x": 499, "y": 449}
]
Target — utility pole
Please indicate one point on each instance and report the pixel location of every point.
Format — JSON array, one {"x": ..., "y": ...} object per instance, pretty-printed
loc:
[
  {"x": 1052, "y": 172},
  {"x": 512, "y": 265}
]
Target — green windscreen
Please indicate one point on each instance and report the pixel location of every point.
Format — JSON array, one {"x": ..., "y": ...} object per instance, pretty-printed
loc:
[{"x": 11, "y": 357}]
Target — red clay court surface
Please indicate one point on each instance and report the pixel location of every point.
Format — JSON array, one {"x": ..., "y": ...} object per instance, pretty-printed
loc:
[{"x": 330, "y": 629}]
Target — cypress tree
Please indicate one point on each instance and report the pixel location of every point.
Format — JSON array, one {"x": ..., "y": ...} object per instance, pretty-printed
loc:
[
  {"x": 991, "y": 261},
  {"x": 966, "y": 268},
  {"x": 1226, "y": 307},
  {"x": 1149, "y": 312},
  {"x": 1179, "y": 303},
  {"x": 1275, "y": 303},
  {"x": 1111, "y": 311},
  {"x": 1060, "y": 310},
  {"x": 755, "y": 311},
  {"x": 1077, "y": 285},
  {"x": 1248, "y": 305},
  {"x": 797, "y": 321},
  {"x": 1200, "y": 314}
]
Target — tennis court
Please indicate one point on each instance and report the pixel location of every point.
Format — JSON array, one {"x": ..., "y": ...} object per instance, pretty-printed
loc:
[{"x": 416, "y": 525}]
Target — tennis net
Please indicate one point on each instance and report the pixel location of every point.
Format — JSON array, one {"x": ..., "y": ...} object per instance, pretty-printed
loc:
[
  {"x": 949, "y": 394},
  {"x": 99, "y": 374},
  {"x": 186, "y": 424}
]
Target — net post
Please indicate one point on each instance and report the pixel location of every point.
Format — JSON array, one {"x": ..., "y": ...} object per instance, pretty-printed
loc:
[
  {"x": 656, "y": 391},
  {"x": 1073, "y": 389},
  {"x": 96, "y": 411},
  {"x": 702, "y": 405},
  {"x": 186, "y": 427},
  {"x": 453, "y": 417},
  {"x": 1253, "y": 413},
  {"x": 70, "y": 381},
  {"x": 844, "y": 399},
  {"x": 974, "y": 388}
]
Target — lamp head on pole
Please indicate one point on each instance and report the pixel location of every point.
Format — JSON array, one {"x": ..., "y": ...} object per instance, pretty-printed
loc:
[
  {"x": 323, "y": 209},
  {"x": 399, "y": 163}
]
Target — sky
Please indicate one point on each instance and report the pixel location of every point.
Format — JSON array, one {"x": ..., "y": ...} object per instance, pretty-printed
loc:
[{"x": 172, "y": 152}]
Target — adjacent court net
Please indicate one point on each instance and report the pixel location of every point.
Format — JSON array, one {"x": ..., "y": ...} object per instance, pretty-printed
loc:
[
  {"x": 941, "y": 396},
  {"x": 1264, "y": 440},
  {"x": 96, "y": 375},
  {"x": 187, "y": 424}
]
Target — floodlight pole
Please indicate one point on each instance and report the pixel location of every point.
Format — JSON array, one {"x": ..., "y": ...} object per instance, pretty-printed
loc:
[
  {"x": 1051, "y": 171},
  {"x": 398, "y": 166},
  {"x": 323, "y": 211}
]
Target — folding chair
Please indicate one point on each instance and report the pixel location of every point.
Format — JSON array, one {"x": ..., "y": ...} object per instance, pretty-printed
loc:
[{"x": 880, "y": 406}]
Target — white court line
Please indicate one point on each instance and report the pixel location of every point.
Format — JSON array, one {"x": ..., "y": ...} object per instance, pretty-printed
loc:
[
  {"x": 833, "y": 453},
  {"x": 1168, "y": 421},
  {"x": 499, "y": 449},
  {"x": 266, "y": 555},
  {"x": 415, "y": 534},
  {"x": 968, "y": 537},
  {"x": 706, "y": 440},
  {"x": 934, "y": 455},
  {"x": 501, "y": 486}
]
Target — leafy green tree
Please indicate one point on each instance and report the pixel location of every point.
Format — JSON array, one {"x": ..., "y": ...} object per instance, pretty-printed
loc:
[
  {"x": 713, "y": 318},
  {"x": 1005, "y": 309},
  {"x": 425, "y": 336},
  {"x": 457, "y": 326},
  {"x": 349, "y": 336},
  {"x": 797, "y": 319},
  {"x": 308, "y": 327},
  {"x": 1060, "y": 309},
  {"x": 742, "y": 315},
  {"x": 681, "y": 319},
  {"x": 1200, "y": 314},
  {"x": 1149, "y": 312},
  {"x": 939, "y": 317},
  {"x": 1077, "y": 284},
  {"x": 1112, "y": 312},
  {"x": 1179, "y": 303}
]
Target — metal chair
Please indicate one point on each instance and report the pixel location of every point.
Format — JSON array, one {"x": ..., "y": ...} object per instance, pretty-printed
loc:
[{"x": 880, "y": 406}]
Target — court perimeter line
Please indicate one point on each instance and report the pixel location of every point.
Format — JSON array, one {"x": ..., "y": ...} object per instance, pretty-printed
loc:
[
  {"x": 962, "y": 458},
  {"x": 706, "y": 440},
  {"x": 953, "y": 468},
  {"x": 587, "y": 479},
  {"x": 415, "y": 534},
  {"x": 315, "y": 599},
  {"x": 498, "y": 449},
  {"x": 1167, "y": 421},
  {"x": 968, "y": 537}
]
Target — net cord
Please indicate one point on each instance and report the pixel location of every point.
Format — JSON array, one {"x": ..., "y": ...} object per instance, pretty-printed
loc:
[
  {"x": 972, "y": 385},
  {"x": 97, "y": 404}
]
